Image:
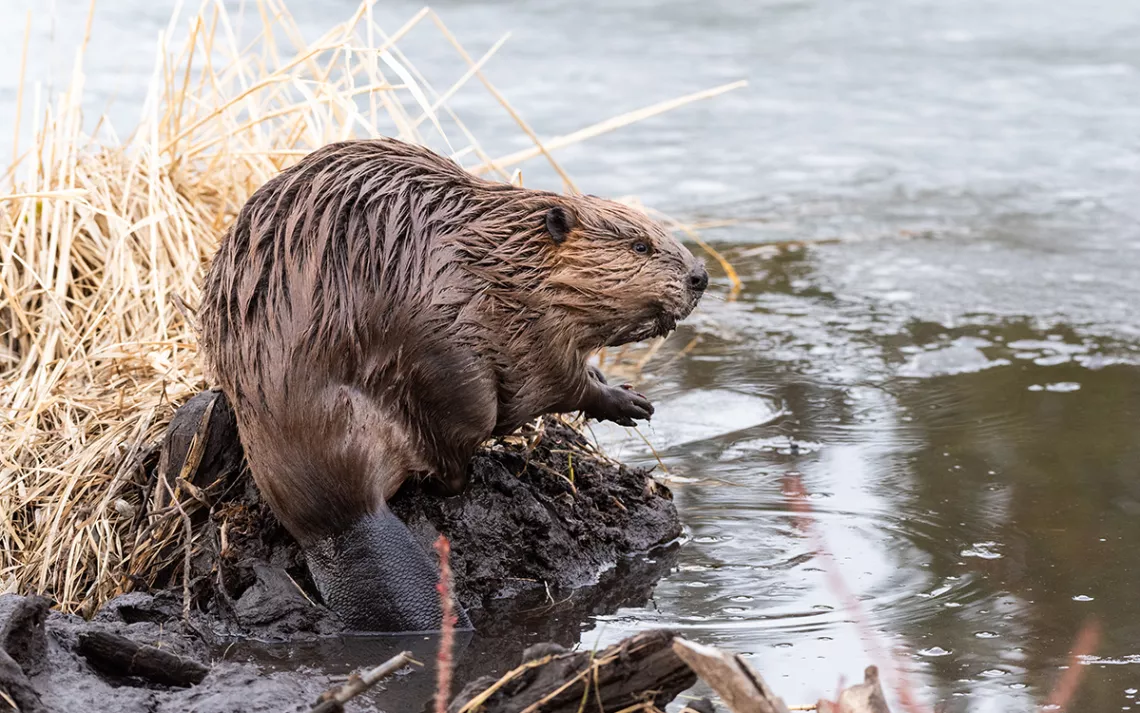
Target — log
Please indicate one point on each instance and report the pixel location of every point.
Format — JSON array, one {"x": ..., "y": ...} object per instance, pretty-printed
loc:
[
  {"x": 201, "y": 446},
  {"x": 642, "y": 669},
  {"x": 116, "y": 655}
]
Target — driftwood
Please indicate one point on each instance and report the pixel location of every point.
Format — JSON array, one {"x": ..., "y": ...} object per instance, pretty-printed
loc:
[
  {"x": 116, "y": 655},
  {"x": 642, "y": 671},
  {"x": 738, "y": 685},
  {"x": 744, "y": 691}
]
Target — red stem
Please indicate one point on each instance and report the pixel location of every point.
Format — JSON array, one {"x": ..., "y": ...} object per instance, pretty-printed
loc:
[
  {"x": 1087, "y": 640},
  {"x": 447, "y": 634}
]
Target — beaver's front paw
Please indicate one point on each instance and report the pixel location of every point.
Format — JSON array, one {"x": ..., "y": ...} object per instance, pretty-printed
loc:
[{"x": 625, "y": 404}]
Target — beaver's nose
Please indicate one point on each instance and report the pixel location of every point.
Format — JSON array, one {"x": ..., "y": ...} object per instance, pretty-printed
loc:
[{"x": 698, "y": 278}]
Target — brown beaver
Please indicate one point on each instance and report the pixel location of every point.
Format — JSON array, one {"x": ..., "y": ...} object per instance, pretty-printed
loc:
[{"x": 376, "y": 313}]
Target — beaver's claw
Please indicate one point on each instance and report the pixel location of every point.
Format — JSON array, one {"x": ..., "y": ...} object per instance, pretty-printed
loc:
[{"x": 627, "y": 405}]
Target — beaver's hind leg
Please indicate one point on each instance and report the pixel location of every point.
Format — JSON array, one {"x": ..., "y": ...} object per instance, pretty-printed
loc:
[
  {"x": 327, "y": 469},
  {"x": 377, "y": 577}
]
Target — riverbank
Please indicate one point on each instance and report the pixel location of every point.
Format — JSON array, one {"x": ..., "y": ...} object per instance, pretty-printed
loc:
[{"x": 548, "y": 532}]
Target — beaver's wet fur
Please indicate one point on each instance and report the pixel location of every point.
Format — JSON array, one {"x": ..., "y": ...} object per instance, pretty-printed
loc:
[{"x": 376, "y": 312}]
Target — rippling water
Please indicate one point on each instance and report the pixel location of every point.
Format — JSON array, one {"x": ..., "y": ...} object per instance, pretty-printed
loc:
[
  {"x": 974, "y": 485},
  {"x": 937, "y": 337}
]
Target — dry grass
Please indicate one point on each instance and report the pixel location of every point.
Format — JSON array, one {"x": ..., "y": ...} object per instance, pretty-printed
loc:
[{"x": 101, "y": 239}]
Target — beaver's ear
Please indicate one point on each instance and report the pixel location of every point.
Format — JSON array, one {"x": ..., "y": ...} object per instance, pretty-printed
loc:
[{"x": 560, "y": 222}]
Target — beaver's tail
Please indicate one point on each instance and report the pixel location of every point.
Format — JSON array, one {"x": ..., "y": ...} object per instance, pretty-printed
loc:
[
  {"x": 377, "y": 577},
  {"x": 367, "y": 566}
]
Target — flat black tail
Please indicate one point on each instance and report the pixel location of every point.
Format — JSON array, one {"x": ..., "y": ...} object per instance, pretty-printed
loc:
[{"x": 377, "y": 577}]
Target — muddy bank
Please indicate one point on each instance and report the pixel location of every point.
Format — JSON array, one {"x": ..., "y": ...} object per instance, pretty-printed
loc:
[
  {"x": 44, "y": 665},
  {"x": 53, "y": 662},
  {"x": 47, "y": 664},
  {"x": 546, "y": 535},
  {"x": 545, "y": 512}
]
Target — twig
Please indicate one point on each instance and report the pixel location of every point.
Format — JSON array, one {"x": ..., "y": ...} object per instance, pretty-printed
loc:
[
  {"x": 333, "y": 700},
  {"x": 725, "y": 265},
  {"x": 188, "y": 553},
  {"x": 640, "y": 670},
  {"x": 604, "y": 126},
  {"x": 567, "y": 182},
  {"x": 660, "y": 462}
]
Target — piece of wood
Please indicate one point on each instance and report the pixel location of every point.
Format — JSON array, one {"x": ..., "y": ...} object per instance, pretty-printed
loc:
[
  {"x": 333, "y": 700},
  {"x": 737, "y": 684},
  {"x": 201, "y": 446},
  {"x": 642, "y": 669},
  {"x": 116, "y": 655},
  {"x": 865, "y": 697}
]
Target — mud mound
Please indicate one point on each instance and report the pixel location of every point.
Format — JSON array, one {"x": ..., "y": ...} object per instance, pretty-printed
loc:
[{"x": 545, "y": 512}]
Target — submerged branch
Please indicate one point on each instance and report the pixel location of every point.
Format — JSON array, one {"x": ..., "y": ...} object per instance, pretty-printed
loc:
[{"x": 332, "y": 701}]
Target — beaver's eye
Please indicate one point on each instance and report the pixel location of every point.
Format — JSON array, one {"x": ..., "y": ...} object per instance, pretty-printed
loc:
[{"x": 641, "y": 247}]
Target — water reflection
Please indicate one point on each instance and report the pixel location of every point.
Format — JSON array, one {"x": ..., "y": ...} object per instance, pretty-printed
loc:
[{"x": 976, "y": 485}]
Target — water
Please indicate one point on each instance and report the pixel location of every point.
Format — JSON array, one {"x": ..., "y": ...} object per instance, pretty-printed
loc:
[
  {"x": 974, "y": 486},
  {"x": 945, "y": 356}
]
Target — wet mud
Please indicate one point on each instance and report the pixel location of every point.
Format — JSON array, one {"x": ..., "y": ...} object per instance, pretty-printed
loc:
[{"x": 549, "y": 533}]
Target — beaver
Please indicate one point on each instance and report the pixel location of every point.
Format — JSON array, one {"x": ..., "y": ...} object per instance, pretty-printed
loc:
[{"x": 375, "y": 313}]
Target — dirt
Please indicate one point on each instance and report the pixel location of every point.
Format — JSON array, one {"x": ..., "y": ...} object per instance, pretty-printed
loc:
[
  {"x": 52, "y": 676},
  {"x": 549, "y": 532}
]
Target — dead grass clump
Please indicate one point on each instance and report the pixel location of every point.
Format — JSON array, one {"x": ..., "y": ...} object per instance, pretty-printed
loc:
[{"x": 101, "y": 240}]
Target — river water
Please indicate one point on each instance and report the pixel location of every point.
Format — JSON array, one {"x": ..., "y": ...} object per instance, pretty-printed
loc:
[{"x": 936, "y": 225}]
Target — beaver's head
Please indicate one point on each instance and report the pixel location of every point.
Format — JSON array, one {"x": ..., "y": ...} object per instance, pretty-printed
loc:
[{"x": 620, "y": 274}]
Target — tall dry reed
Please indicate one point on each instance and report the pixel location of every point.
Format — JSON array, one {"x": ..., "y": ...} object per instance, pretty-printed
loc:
[{"x": 103, "y": 242}]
